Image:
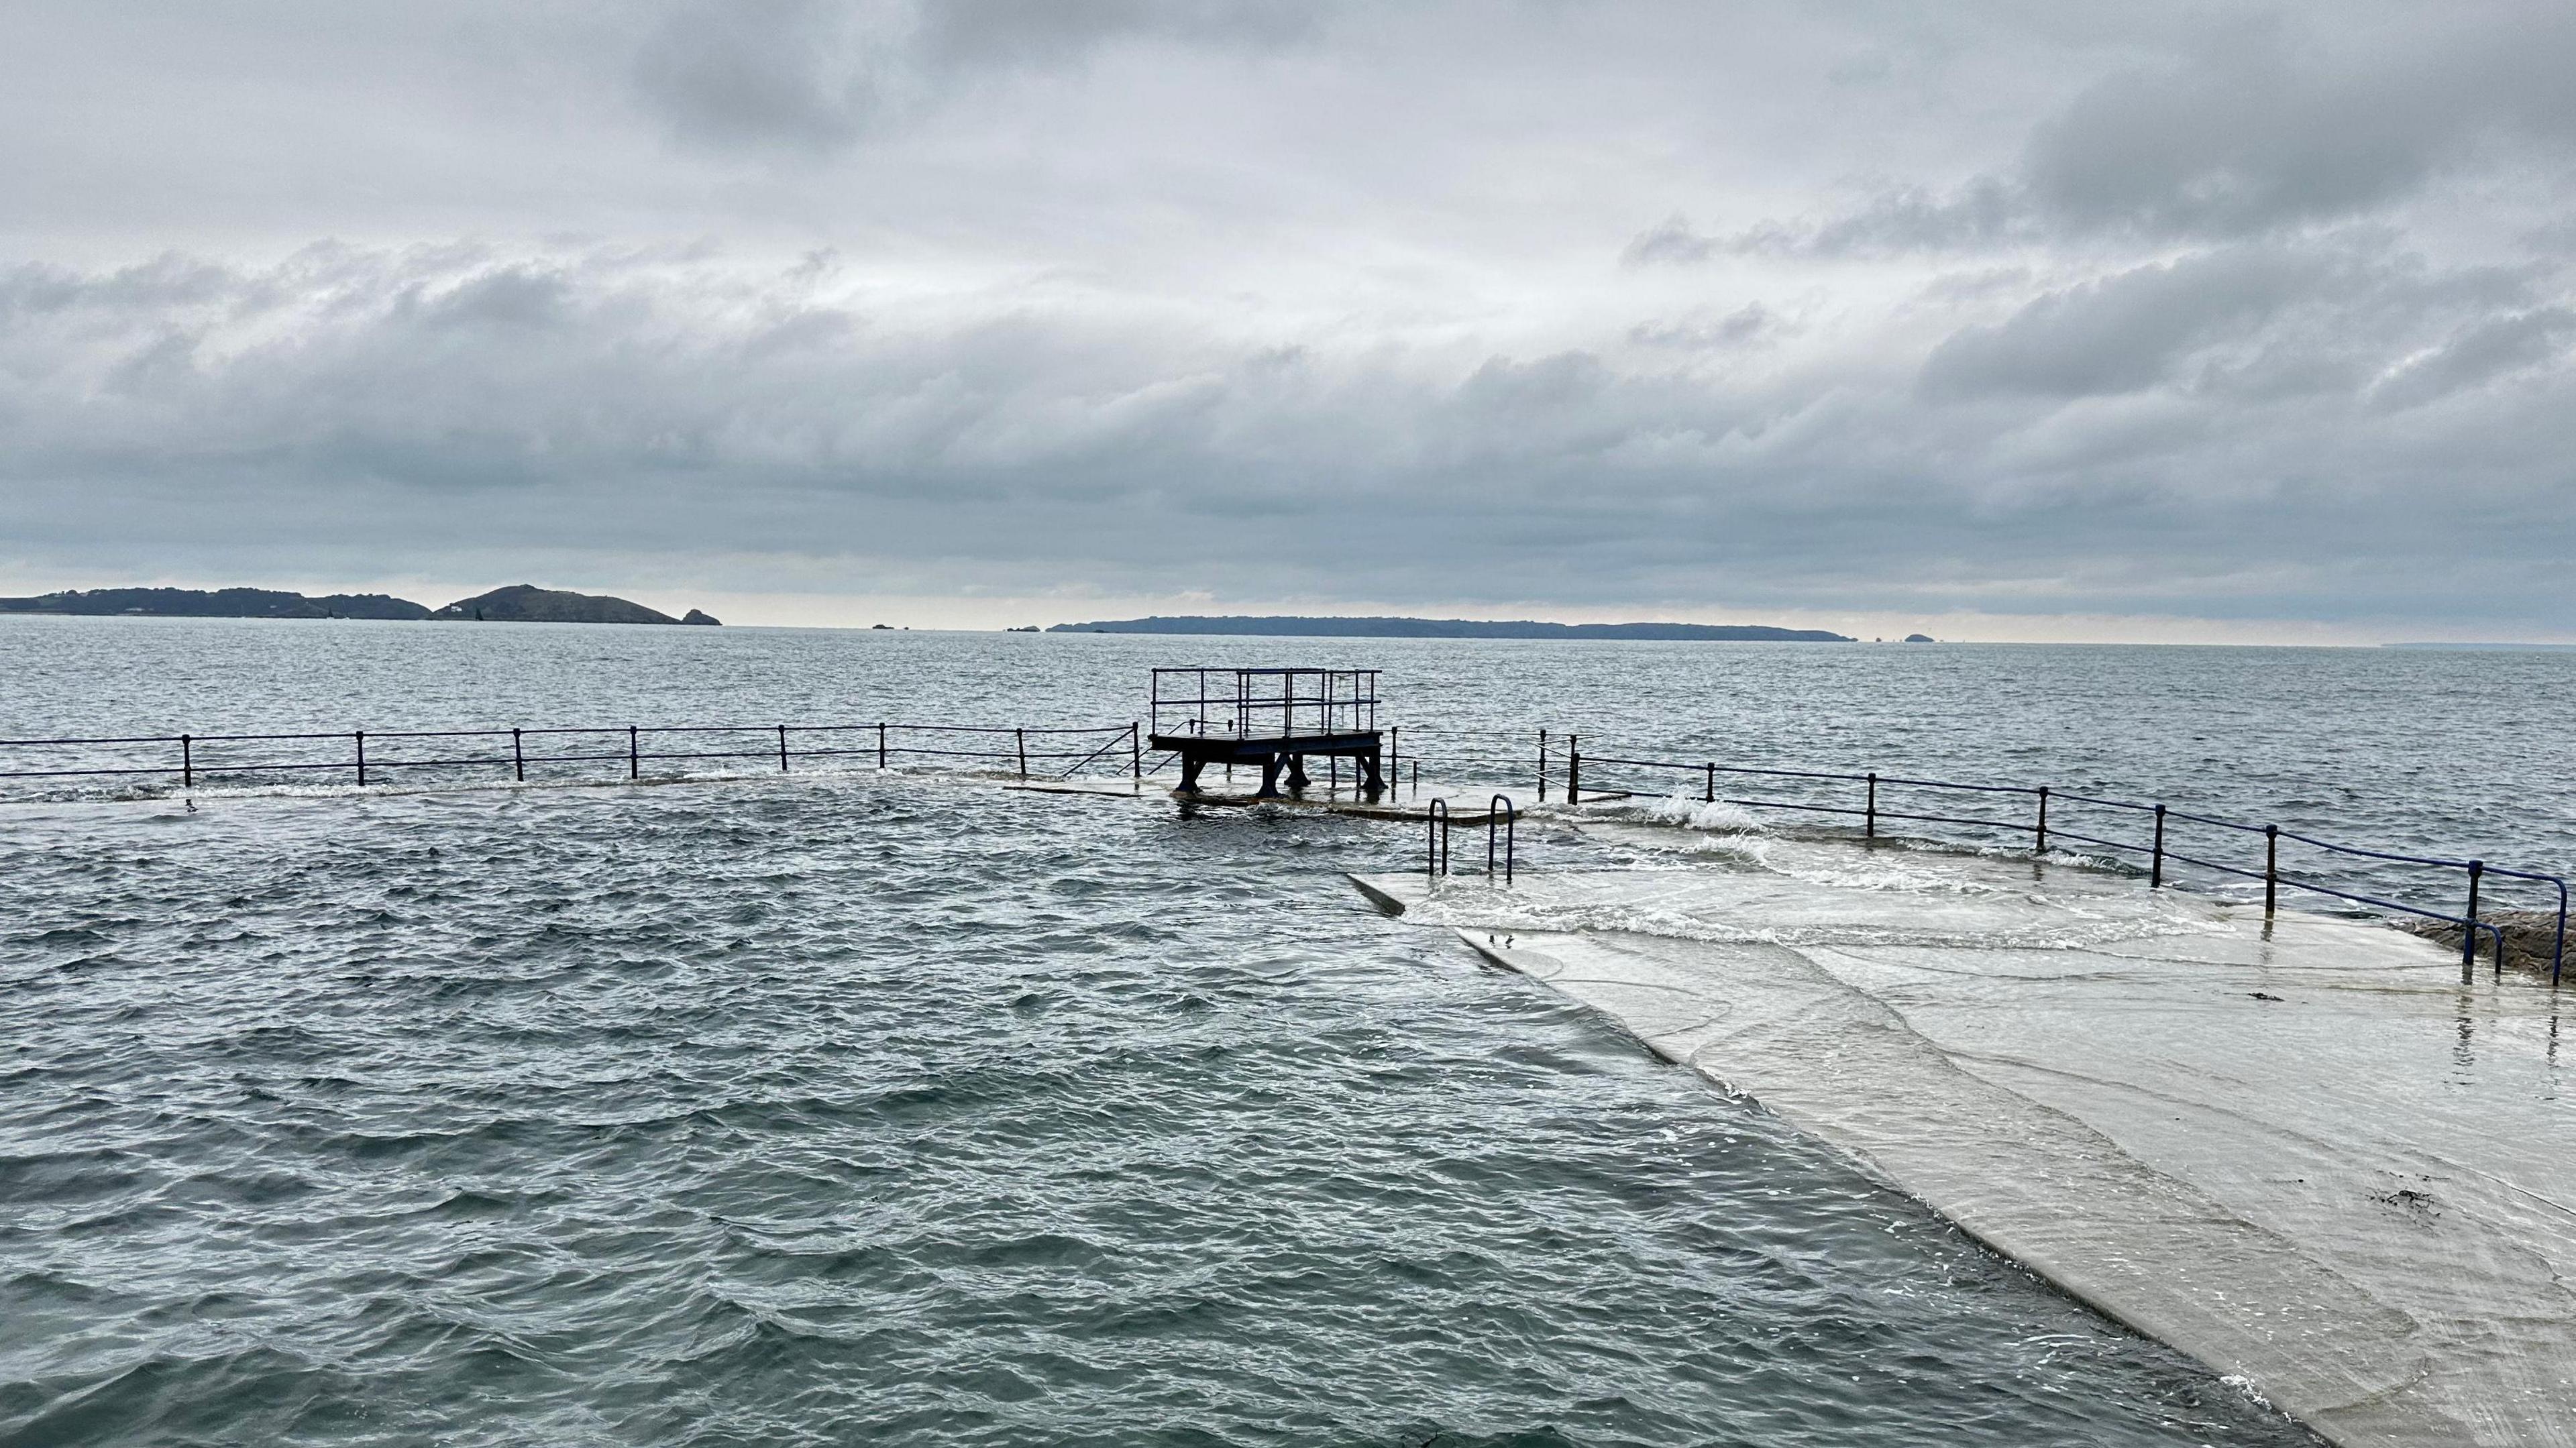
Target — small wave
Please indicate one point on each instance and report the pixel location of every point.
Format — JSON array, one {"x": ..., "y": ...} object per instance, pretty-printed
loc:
[{"x": 1691, "y": 814}]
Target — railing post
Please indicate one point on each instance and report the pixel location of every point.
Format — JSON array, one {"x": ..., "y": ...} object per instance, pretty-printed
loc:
[
  {"x": 634, "y": 761},
  {"x": 881, "y": 749},
  {"x": 1020, "y": 738},
  {"x": 1136, "y": 750},
  {"x": 2271, "y": 868},
  {"x": 2469, "y": 932},
  {"x": 518, "y": 757},
  {"x": 1542, "y": 766},
  {"x": 1499, "y": 814},
  {"x": 361, "y": 737},
  {"x": 187, "y": 762},
  {"x": 1574, "y": 769},
  {"x": 1708, "y": 794},
  {"x": 1435, "y": 838},
  {"x": 2039, "y": 833},
  {"x": 782, "y": 749},
  {"x": 2156, "y": 869},
  {"x": 1869, "y": 809}
]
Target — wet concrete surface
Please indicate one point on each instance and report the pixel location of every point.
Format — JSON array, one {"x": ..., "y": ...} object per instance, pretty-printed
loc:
[{"x": 2306, "y": 1150}]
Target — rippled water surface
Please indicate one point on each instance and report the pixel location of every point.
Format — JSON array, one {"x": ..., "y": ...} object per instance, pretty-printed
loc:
[{"x": 906, "y": 1109}]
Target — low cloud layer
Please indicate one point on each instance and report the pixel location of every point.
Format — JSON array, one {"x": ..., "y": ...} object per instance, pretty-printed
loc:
[{"x": 1602, "y": 309}]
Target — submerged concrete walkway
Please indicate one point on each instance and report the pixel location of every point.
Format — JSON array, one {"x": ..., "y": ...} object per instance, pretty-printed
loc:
[
  {"x": 1466, "y": 805},
  {"x": 2307, "y": 1153}
]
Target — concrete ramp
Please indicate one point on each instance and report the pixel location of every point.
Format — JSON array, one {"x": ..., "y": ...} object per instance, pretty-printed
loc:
[{"x": 2308, "y": 1153}]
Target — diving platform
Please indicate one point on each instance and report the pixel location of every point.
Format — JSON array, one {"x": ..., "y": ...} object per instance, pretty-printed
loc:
[{"x": 1274, "y": 720}]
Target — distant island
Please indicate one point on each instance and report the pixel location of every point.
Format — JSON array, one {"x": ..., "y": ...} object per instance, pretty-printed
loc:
[
  {"x": 527, "y": 603},
  {"x": 2495, "y": 648},
  {"x": 216, "y": 603},
  {"x": 519, "y": 603},
  {"x": 1456, "y": 628}
]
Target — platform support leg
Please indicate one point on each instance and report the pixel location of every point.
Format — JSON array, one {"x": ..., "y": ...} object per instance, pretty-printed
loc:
[
  {"x": 1189, "y": 784},
  {"x": 1297, "y": 780},
  {"x": 1370, "y": 778},
  {"x": 1269, "y": 778}
]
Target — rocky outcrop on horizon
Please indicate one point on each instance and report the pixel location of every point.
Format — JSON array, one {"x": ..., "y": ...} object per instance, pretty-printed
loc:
[
  {"x": 527, "y": 603},
  {"x": 519, "y": 603}
]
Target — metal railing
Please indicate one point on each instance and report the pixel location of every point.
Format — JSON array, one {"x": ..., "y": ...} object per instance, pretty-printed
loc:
[
  {"x": 188, "y": 760},
  {"x": 1262, "y": 703},
  {"x": 2157, "y": 851}
]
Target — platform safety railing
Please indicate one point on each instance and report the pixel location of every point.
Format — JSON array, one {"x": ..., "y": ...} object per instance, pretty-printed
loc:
[
  {"x": 379, "y": 756},
  {"x": 1565, "y": 753},
  {"x": 1261, "y": 702}
]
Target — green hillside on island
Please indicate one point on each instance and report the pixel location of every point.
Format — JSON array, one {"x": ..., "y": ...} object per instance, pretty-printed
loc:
[
  {"x": 519, "y": 603},
  {"x": 1289, "y": 625}
]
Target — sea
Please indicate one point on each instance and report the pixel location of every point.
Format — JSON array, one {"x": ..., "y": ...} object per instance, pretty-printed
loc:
[{"x": 836, "y": 1106}]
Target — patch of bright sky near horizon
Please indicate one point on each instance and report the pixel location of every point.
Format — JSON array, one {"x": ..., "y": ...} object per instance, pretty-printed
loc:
[{"x": 2026, "y": 322}]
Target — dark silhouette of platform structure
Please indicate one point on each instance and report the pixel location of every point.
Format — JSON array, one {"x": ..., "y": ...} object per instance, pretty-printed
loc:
[{"x": 1275, "y": 718}]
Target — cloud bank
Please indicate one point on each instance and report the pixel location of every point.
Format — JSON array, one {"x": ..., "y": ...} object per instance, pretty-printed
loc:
[{"x": 2263, "y": 319}]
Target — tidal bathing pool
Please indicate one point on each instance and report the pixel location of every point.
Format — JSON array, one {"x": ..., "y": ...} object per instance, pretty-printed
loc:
[{"x": 895, "y": 1110}]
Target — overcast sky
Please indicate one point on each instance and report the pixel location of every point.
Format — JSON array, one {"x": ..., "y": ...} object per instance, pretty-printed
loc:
[{"x": 2008, "y": 321}]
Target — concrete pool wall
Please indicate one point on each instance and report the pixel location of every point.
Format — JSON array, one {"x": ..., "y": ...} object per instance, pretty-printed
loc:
[{"x": 2304, "y": 1150}]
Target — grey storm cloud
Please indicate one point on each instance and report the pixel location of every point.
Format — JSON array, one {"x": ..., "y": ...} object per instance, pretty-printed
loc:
[
  {"x": 1622, "y": 307},
  {"x": 817, "y": 75},
  {"x": 2251, "y": 129}
]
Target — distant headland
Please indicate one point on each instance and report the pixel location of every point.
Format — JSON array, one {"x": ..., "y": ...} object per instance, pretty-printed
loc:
[
  {"x": 519, "y": 603},
  {"x": 1457, "y": 628}
]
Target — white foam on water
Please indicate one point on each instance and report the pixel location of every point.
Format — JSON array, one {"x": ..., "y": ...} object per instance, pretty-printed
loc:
[{"x": 1690, "y": 814}]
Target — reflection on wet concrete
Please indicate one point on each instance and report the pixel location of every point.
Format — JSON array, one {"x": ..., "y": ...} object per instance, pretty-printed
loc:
[{"x": 2303, "y": 1149}]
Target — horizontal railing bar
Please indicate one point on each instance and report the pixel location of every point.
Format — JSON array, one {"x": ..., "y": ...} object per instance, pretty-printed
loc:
[
  {"x": 2021, "y": 827},
  {"x": 566, "y": 729},
  {"x": 77, "y": 773},
  {"x": 2058, "y": 794},
  {"x": 2054, "y": 834},
  {"x": 2375, "y": 854},
  {"x": 1689, "y": 767},
  {"x": 1793, "y": 804},
  {"x": 1947, "y": 784},
  {"x": 1722, "y": 769},
  {"x": 2228, "y": 869},
  {"x": 133, "y": 739},
  {"x": 253, "y": 738}
]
